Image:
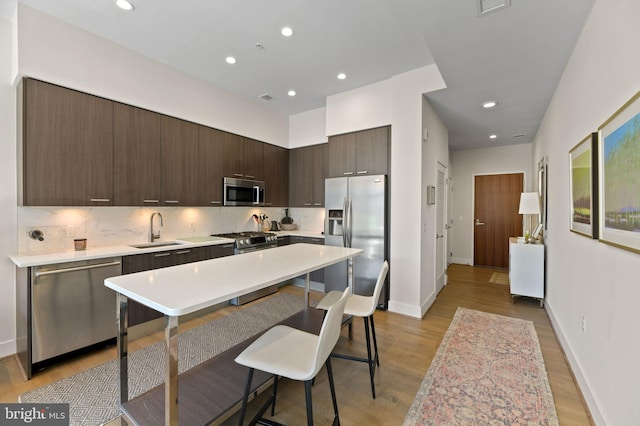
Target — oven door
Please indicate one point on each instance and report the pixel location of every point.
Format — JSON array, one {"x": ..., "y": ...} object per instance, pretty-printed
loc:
[{"x": 243, "y": 192}]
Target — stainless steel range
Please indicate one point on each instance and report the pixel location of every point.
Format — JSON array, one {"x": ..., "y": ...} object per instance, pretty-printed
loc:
[
  {"x": 247, "y": 242},
  {"x": 251, "y": 241}
]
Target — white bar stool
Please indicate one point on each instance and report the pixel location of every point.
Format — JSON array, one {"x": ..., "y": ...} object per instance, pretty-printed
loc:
[
  {"x": 294, "y": 354},
  {"x": 364, "y": 307}
]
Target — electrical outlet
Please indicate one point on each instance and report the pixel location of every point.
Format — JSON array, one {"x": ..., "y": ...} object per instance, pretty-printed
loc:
[{"x": 584, "y": 324}]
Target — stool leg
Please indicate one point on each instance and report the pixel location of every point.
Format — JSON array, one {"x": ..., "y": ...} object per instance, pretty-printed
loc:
[
  {"x": 245, "y": 398},
  {"x": 275, "y": 391},
  {"x": 371, "y": 362},
  {"x": 375, "y": 342},
  {"x": 333, "y": 392},
  {"x": 307, "y": 393}
]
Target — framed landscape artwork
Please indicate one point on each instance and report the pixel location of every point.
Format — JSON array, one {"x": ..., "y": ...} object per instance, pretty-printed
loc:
[
  {"x": 583, "y": 178},
  {"x": 619, "y": 148}
]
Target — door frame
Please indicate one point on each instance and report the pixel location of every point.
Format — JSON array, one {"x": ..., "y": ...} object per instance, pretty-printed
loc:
[{"x": 525, "y": 178}]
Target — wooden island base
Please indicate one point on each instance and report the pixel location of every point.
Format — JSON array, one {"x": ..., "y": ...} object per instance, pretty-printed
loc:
[{"x": 213, "y": 389}]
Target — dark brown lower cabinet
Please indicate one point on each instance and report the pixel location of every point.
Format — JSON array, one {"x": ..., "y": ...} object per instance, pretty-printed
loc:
[
  {"x": 139, "y": 313},
  {"x": 317, "y": 276}
]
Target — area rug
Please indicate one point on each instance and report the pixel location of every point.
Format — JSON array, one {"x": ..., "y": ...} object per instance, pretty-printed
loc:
[
  {"x": 499, "y": 278},
  {"x": 488, "y": 370},
  {"x": 93, "y": 394}
]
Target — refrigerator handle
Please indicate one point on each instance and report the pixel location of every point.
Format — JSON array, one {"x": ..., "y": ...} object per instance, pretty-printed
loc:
[
  {"x": 348, "y": 220},
  {"x": 345, "y": 225}
]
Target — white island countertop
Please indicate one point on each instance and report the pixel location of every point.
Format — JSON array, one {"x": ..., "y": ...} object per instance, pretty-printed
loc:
[{"x": 183, "y": 289}]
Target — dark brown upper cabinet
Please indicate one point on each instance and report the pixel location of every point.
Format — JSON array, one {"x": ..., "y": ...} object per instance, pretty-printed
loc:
[
  {"x": 65, "y": 148},
  {"x": 179, "y": 162},
  {"x": 137, "y": 153},
  {"x": 276, "y": 176},
  {"x": 210, "y": 166},
  {"x": 360, "y": 153},
  {"x": 307, "y": 171}
]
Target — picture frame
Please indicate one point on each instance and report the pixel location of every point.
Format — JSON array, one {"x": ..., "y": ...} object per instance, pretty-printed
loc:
[
  {"x": 619, "y": 181},
  {"x": 542, "y": 190},
  {"x": 583, "y": 184},
  {"x": 537, "y": 231}
]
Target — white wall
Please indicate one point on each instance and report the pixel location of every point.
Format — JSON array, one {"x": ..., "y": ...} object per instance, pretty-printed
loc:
[
  {"x": 308, "y": 128},
  {"x": 435, "y": 149},
  {"x": 585, "y": 277},
  {"x": 8, "y": 194},
  {"x": 468, "y": 164},
  {"x": 53, "y": 51}
]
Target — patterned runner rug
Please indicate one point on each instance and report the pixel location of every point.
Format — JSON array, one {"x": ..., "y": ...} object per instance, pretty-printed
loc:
[
  {"x": 488, "y": 370},
  {"x": 93, "y": 394}
]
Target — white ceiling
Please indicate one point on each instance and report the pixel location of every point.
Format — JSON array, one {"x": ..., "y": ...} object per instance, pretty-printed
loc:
[{"x": 515, "y": 55}]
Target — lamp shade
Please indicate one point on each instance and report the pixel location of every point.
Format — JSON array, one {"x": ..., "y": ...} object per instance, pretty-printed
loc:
[{"x": 529, "y": 203}]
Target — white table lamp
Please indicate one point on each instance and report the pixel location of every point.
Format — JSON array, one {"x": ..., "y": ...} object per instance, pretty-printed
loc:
[{"x": 529, "y": 205}]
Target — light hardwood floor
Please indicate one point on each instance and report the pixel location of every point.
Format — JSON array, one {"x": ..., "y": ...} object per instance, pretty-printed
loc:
[{"x": 407, "y": 346}]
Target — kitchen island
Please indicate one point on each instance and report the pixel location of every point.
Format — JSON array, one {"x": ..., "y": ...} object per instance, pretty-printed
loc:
[{"x": 184, "y": 289}]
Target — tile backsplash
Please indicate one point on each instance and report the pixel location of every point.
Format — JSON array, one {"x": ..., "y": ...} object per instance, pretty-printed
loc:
[{"x": 105, "y": 226}]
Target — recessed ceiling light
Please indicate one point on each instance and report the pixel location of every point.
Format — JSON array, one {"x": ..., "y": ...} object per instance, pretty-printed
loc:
[
  {"x": 493, "y": 136},
  {"x": 291, "y": 93},
  {"x": 125, "y": 5},
  {"x": 286, "y": 31},
  {"x": 342, "y": 76},
  {"x": 489, "y": 104},
  {"x": 231, "y": 60}
]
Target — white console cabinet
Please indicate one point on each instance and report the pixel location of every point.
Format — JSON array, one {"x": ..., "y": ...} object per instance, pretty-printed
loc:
[{"x": 526, "y": 269}]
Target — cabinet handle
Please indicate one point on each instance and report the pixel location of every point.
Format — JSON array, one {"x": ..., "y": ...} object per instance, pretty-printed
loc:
[
  {"x": 362, "y": 172},
  {"x": 228, "y": 246},
  {"x": 171, "y": 201},
  {"x": 317, "y": 204},
  {"x": 99, "y": 200},
  {"x": 183, "y": 252},
  {"x": 306, "y": 204},
  {"x": 162, "y": 254},
  {"x": 250, "y": 177},
  {"x": 215, "y": 202},
  {"x": 238, "y": 174},
  {"x": 347, "y": 173},
  {"x": 150, "y": 201}
]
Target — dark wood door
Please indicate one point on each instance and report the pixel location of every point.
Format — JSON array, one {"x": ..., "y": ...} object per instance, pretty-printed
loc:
[
  {"x": 210, "y": 174},
  {"x": 253, "y": 159},
  {"x": 301, "y": 177},
  {"x": 320, "y": 154},
  {"x": 342, "y": 154},
  {"x": 67, "y": 147},
  {"x": 179, "y": 162},
  {"x": 137, "y": 153},
  {"x": 233, "y": 155},
  {"x": 496, "y": 217},
  {"x": 276, "y": 176},
  {"x": 372, "y": 151}
]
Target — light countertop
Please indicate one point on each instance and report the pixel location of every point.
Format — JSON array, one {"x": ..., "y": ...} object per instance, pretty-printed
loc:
[
  {"x": 26, "y": 260},
  {"x": 183, "y": 289}
]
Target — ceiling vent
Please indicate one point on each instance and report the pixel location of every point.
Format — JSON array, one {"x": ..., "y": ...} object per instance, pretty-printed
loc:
[
  {"x": 488, "y": 6},
  {"x": 266, "y": 97}
]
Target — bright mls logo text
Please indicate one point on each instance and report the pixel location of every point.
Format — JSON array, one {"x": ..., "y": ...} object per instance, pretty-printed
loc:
[{"x": 38, "y": 414}]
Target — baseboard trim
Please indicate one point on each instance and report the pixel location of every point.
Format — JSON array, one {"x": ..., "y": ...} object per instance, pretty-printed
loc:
[{"x": 583, "y": 384}]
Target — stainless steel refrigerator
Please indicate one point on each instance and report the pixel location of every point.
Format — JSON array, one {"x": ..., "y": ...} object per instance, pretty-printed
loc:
[{"x": 356, "y": 216}]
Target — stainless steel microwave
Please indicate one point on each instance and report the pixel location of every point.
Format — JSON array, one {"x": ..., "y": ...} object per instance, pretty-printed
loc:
[{"x": 243, "y": 192}]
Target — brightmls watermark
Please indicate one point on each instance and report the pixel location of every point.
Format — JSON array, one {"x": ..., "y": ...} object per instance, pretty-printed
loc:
[{"x": 34, "y": 414}]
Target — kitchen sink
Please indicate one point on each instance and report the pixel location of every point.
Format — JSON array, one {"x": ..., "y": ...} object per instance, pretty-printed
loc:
[{"x": 156, "y": 244}]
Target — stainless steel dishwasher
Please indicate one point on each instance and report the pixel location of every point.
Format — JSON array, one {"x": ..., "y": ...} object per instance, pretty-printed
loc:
[{"x": 70, "y": 306}]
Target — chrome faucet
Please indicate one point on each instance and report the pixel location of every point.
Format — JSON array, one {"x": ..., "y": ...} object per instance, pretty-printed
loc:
[{"x": 153, "y": 236}]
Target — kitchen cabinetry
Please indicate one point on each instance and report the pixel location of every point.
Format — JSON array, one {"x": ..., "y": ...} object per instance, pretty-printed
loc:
[
  {"x": 360, "y": 153},
  {"x": 210, "y": 167},
  {"x": 307, "y": 171},
  {"x": 276, "y": 176},
  {"x": 66, "y": 147},
  {"x": 526, "y": 270},
  {"x": 147, "y": 261},
  {"x": 137, "y": 153},
  {"x": 179, "y": 162},
  {"x": 242, "y": 157}
]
